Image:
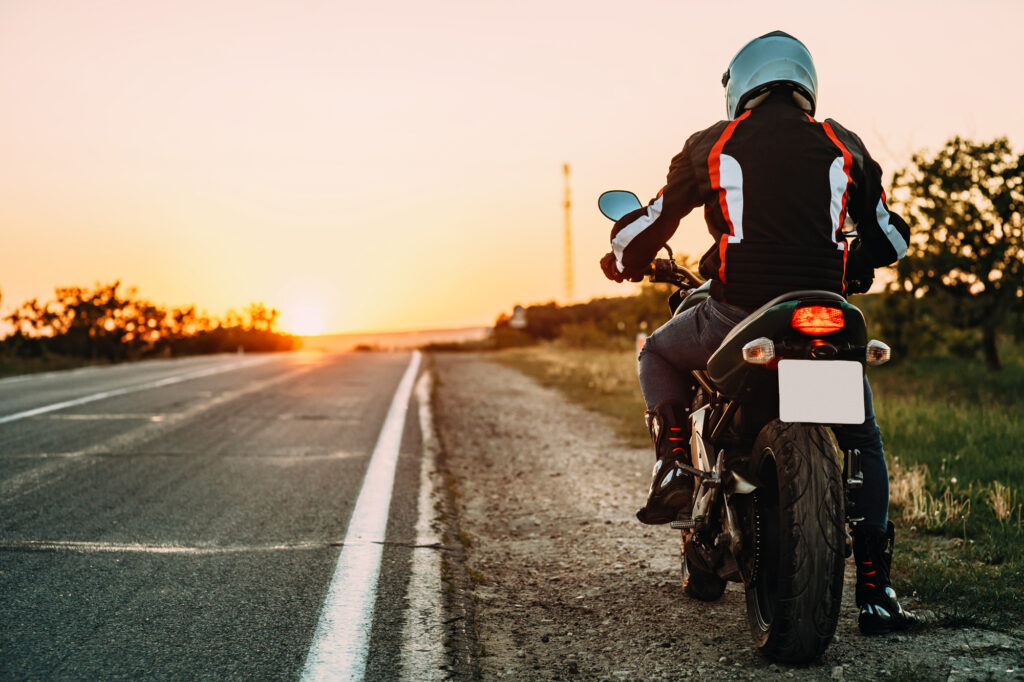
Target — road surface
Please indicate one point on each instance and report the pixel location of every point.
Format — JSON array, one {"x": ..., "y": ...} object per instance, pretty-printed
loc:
[{"x": 185, "y": 518}]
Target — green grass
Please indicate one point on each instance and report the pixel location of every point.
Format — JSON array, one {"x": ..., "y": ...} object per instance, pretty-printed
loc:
[
  {"x": 954, "y": 435},
  {"x": 966, "y": 426}
]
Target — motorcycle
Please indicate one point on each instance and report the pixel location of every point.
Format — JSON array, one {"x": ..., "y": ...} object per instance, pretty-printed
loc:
[{"x": 772, "y": 491}]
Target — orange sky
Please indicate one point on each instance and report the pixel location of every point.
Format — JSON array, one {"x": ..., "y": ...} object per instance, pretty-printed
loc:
[{"x": 397, "y": 165}]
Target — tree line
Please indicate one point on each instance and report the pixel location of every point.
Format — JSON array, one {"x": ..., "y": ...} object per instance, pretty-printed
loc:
[
  {"x": 107, "y": 323},
  {"x": 959, "y": 289}
]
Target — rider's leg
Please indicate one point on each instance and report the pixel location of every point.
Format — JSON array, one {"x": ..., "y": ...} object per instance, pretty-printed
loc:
[
  {"x": 682, "y": 344},
  {"x": 872, "y": 500},
  {"x": 873, "y": 538}
]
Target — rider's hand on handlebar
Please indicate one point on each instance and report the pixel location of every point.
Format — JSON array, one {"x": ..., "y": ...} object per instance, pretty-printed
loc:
[
  {"x": 611, "y": 270},
  {"x": 861, "y": 284},
  {"x": 859, "y": 274}
]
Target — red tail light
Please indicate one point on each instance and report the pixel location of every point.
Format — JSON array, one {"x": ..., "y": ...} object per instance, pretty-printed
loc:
[{"x": 816, "y": 319}]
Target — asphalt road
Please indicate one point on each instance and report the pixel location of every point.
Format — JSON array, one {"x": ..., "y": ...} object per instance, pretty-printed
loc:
[{"x": 183, "y": 518}]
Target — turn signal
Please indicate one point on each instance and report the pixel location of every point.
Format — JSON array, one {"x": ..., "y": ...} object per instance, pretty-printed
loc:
[
  {"x": 817, "y": 319},
  {"x": 878, "y": 353},
  {"x": 760, "y": 351}
]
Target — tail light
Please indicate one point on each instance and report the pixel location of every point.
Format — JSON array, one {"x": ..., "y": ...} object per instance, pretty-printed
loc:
[{"x": 817, "y": 319}]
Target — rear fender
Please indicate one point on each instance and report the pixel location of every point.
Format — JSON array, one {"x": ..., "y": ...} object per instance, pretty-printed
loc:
[{"x": 731, "y": 373}]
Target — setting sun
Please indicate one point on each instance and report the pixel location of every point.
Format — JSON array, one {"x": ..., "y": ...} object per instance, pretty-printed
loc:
[{"x": 305, "y": 318}]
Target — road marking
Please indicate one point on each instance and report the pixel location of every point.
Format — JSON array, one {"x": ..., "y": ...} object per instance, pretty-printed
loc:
[
  {"x": 423, "y": 633},
  {"x": 53, "y": 466},
  {"x": 340, "y": 645},
  {"x": 103, "y": 417},
  {"x": 142, "y": 548},
  {"x": 159, "y": 383}
]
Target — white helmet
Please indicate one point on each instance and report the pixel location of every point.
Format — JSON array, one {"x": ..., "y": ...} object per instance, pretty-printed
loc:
[{"x": 773, "y": 59}]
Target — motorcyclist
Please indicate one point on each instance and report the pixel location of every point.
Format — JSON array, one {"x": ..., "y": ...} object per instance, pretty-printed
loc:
[{"x": 777, "y": 186}]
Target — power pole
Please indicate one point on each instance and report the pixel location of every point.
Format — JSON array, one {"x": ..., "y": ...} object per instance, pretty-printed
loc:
[{"x": 568, "y": 237}]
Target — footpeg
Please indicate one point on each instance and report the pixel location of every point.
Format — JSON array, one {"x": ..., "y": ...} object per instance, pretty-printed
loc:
[
  {"x": 852, "y": 470},
  {"x": 686, "y": 523}
]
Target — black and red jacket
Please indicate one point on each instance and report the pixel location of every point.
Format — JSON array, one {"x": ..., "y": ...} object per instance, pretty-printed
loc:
[{"x": 776, "y": 187}]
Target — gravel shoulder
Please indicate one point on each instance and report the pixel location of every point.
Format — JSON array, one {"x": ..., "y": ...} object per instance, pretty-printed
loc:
[{"x": 565, "y": 583}]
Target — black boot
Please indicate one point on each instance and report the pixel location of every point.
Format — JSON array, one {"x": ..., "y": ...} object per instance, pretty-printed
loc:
[
  {"x": 880, "y": 610},
  {"x": 671, "y": 493}
]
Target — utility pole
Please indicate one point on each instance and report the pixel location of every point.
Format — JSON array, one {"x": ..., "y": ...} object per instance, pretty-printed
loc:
[{"x": 568, "y": 237}]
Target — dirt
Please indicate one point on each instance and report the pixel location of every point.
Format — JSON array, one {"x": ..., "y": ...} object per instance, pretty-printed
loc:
[{"x": 564, "y": 583}]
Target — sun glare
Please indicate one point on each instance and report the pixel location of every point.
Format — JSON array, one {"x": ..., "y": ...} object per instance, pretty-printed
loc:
[{"x": 304, "y": 319}]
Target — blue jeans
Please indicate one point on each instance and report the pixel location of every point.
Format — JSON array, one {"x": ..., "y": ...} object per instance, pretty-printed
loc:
[{"x": 685, "y": 343}]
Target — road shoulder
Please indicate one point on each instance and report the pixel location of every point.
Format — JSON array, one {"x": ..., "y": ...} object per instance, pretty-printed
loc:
[{"x": 563, "y": 581}]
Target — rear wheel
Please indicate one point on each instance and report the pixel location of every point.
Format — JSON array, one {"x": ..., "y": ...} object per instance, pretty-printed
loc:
[{"x": 797, "y": 579}]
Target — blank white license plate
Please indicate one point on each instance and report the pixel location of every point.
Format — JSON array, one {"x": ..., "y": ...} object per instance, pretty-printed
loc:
[{"x": 821, "y": 391}]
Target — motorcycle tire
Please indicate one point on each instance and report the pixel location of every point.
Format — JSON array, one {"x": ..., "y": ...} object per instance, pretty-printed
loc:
[
  {"x": 794, "y": 595},
  {"x": 699, "y": 583}
]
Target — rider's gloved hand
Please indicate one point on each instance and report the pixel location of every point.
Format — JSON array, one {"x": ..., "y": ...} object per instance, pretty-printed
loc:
[
  {"x": 859, "y": 285},
  {"x": 611, "y": 270},
  {"x": 859, "y": 275}
]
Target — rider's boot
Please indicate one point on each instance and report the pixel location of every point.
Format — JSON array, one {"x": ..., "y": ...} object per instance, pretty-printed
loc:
[
  {"x": 880, "y": 610},
  {"x": 671, "y": 493}
]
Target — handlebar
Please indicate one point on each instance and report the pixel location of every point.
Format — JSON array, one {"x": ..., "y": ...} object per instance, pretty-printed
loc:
[{"x": 667, "y": 270}]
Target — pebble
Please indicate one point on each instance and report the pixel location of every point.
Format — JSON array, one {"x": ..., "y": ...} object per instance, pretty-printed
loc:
[
  {"x": 837, "y": 672},
  {"x": 722, "y": 659}
]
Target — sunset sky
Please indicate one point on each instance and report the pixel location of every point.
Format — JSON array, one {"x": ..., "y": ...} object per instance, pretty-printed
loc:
[{"x": 397, "y": 165}]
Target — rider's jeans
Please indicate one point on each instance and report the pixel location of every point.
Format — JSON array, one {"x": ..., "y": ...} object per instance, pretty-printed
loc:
[{"x": 685, "y": 343}]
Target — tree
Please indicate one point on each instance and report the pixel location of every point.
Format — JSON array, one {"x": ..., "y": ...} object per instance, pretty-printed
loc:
[{"x": 965, "y": 207}]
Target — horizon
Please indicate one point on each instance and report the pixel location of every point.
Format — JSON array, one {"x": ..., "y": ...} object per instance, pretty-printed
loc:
[{"x": 365, "y": 168}]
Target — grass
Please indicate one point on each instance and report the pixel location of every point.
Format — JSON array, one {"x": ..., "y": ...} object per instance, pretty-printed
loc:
[{"x": 954, "y": 435}]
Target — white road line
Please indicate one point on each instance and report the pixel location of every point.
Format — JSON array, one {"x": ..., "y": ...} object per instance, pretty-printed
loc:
[
  {"x": 141, "y": 548},
  {"x": 340, "y": 645},
  {"x": 176, "y": 379},
  {"x": 423, "y": 633},
  {"x": 54, "y": 465}
]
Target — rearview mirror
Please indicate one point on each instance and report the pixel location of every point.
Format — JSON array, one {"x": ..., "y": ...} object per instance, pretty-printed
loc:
[{"x": 617, "y": 203}]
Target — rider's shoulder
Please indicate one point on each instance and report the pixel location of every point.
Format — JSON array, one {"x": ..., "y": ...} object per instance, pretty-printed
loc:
[
  {"x": 847, "y": 135},
  {"x": 706, "y": 137}
]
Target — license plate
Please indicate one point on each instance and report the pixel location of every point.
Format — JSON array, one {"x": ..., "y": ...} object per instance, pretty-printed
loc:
[{"x": 821, "y": 391}]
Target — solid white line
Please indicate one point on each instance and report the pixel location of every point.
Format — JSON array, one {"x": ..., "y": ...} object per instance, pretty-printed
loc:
[
  {"x": 422, "y": 653},
  {"x": 341, "y": 643},
  {"x": 113, "y": 393}
]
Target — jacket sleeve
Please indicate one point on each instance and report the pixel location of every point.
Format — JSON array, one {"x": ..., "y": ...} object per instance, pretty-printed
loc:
[
  {"x": 884, "y": 235},
  {"x": 638, "y": 235}
]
